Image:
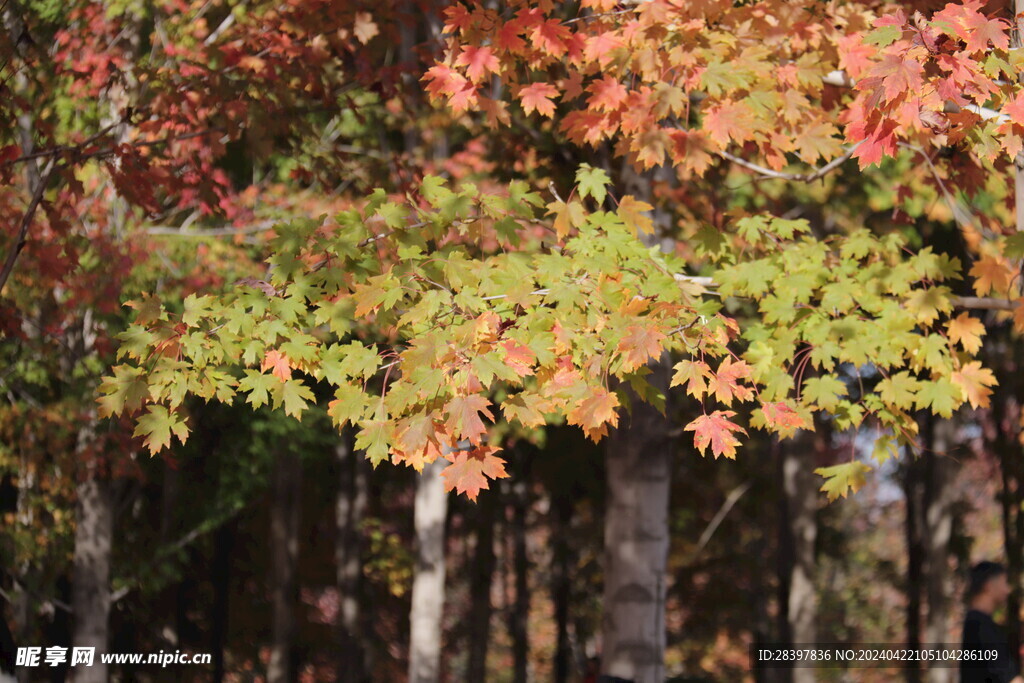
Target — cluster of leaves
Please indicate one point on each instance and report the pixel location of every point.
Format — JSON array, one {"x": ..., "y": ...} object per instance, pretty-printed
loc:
[
  {"x": 422, "y": 333},
  {"x": 421, "y": 343}
]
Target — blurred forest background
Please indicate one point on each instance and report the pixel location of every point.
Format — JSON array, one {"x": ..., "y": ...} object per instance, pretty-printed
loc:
[{"x": 273, "y": 544}]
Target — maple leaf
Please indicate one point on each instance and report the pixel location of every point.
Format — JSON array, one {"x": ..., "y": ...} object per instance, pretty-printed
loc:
[
  {"x": 567, "y": 216},
  {"x": 537, "y": 97},
  {"x": 728, "y": 121},
  {"x": 899, "y": 389},
  {"x": 718, "y": 431},
  {"x": 966, "y": 331},
  {"x": 600, "y": 48},
  {"x": 724, "y": 384},
  {"x": 608, "y": 94},
  {"x": 694, "y": 375},
  {"x": 550, "y": 36},
  {"x": 780, "y": 417},
  {"x": 157, "y": 425},
  {"x": 896, "y": 74},
  {"x": 631, "y": 210},
  {"x": 974, "y": 381},
  {"x": 479, "y": 61},
  {"x": 519, "y": 357},
  {"x": 842, "y": 479},
  {"x": 526, "y": 408},
  {"x": 278, "y": 363},
  {"x": 365, "y": 27},
  {"x": 469, "y": 470},
  {"x": 464, "y": 416},
  {"x": 638, "y": 345},
  {"x": 990, "y": 274},
  {"x": 595, "y": 412},
  {"x": 981, "y": 30}
]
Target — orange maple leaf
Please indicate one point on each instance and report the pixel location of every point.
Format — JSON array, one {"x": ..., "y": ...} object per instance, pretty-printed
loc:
[
  {"x": 470, "y": 470},
  {"x": 718, "y": 431},
  {"x": 519, "y": 357},
  {"x": 990, "y": 274},
  {"x": 975, "y": 381},
  {"x": 464, "y": 416},
  {"x": 278, "y": 363},
  {"x": 608, "y": 94},
  {"x": 595, "y": 412},
  {"x": 966, "y": 331},
  {"x": 779, "y": 416},
  {"x": 537, "y": 97},
  {"x": 639, "y": 345},
  {"x": 479, "y": 61},
  {"x": 724, "y": 384}
]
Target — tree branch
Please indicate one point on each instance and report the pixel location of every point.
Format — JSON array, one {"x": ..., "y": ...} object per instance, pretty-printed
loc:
[{"x": 26, "y": 221}]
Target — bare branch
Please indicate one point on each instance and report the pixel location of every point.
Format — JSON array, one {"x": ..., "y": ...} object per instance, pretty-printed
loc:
[{"x": 26, "y": 221}]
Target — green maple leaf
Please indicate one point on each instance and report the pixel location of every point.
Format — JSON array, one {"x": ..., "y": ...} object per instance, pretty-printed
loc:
[
  {"x": 157, "y": 425},
  {"x": 940, "y": 395},
  {"x": 842, "y": 479},
  {"x": 372, "y": 438},
  {"x": 293, "y": 395},
  {"x": 899, "y": 389},
  {"x": 593, "y": 182},
  {"x": 126, "y": 390},
  {"x": 825, "y": 391},
  {"x": 259, "y": 386}
]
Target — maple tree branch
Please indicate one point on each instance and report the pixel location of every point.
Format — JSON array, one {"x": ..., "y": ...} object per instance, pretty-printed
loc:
[
  {"x": 262, "y": 226},
  {"x": 26, "y": 221},
  {"x": 782, "y": 175},
  {"x": 984, "y": 303},
  {"x": 76, "y": 150}
]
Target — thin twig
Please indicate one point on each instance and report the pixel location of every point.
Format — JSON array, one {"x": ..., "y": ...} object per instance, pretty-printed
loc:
[{"x": 26, "y": 221}]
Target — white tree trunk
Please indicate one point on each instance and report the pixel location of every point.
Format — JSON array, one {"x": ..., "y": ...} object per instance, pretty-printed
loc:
[
  {"x": 636, "y": 537},
  {"x": 939, "y": 501},
  {"x": 90, "y": 592},
  {"x": 431, "y": 509},
  {"x": 800, "y": 488}
]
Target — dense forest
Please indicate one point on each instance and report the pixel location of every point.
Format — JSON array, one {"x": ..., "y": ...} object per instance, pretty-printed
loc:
[{"x": 505, "y": 340}]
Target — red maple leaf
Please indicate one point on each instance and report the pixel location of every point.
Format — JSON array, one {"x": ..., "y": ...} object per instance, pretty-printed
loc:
[
  {"x": 537, "y": 97},
  {"x": 470, "y": 470},
  {"x": 718, "y": 431}
]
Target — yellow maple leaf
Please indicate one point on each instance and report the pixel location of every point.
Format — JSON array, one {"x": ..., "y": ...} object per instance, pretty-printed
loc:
[{"x": 631, "y": 211}]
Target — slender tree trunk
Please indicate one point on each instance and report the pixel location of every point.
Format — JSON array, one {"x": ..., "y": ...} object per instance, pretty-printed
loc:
[
  {"x": 639, "y": 457},
  {"x": 939, "y": 502},
  {"x": 800, "y": 492},
  {"x": 350, "y": 505},
  {"x": 480, "y": 609},
  {"x": 561, "y": 583},
  {"x": 90, "y": 592},
  {"x": 428, "y": 579},
  {"x": 519, "y": 615},
  {"x": 912, "y": 491},
  {"x": 284, "y": 549}
]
